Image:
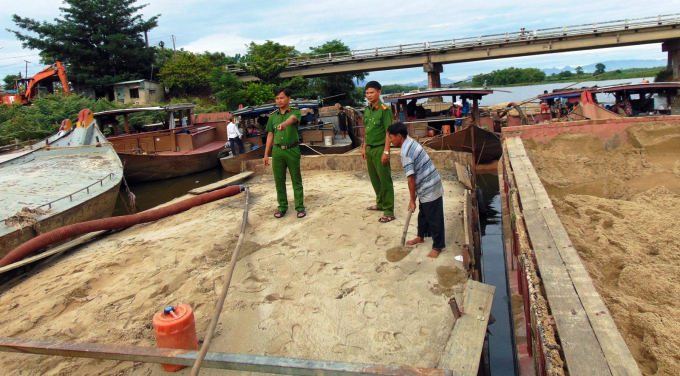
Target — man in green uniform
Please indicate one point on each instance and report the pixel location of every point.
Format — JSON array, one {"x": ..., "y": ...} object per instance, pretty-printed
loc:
[
  {"x": 283, "y": 135},
  {"x": 376, "y": 151}
]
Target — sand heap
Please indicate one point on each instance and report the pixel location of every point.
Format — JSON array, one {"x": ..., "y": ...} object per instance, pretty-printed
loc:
[
  {"x": 621, "y": 209},
  {"x": 319, "y": 288}
]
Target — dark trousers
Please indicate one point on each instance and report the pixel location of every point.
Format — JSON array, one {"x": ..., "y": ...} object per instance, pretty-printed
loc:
[
  {"x": 431, "y": 222},
  {"x": 238, "y": 141}
]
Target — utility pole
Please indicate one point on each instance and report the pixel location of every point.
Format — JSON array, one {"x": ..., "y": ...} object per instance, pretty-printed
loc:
[
  {"x": 162, "y": 50},
  {"x": 27, "y": 67},
  {"x": 173, "y": 46},
  {"x": 146, "y": 37}
]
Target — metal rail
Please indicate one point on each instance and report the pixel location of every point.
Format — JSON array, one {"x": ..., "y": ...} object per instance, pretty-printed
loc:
[
  {"x": 482, "y": 40},
  {"x": 236, "y": 362},
  {"x": 49, "y": 204}
]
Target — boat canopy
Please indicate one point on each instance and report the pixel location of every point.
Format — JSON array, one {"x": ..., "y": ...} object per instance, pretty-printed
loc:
[
  {"x": 463, "y": 93},
  {"x": 628, "y": 88},
  {"x": 123, "y": 111},
  {"x": 270, "y": 107}
]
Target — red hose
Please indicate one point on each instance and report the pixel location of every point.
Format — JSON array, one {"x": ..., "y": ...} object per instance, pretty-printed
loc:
[{"x": 70, "y": 231}]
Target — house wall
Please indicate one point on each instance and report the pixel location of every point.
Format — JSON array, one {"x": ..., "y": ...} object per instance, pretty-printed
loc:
[{"x": 149, "y": 92}]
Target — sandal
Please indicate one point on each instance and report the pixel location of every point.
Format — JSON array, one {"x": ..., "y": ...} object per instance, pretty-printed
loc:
[
  {"x": 279, "y": 214},
  {"x": 304, "y": 213},
  {"x": 374, "y": 208},
  {"x": 387, "y": 218}
]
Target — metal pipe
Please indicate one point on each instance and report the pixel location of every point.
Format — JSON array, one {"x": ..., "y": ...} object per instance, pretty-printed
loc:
[
  {"x": 225, "y": 290},
  {"x": 236, "y": 362}
]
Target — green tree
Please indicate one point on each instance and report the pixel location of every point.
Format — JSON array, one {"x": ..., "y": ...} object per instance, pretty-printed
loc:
[
  {"x": 509, "y": 76},
  {"x": 226, "y": 87},
  {"x": 579, "y": 70},
  {"x": 599, "y": 69},
  {"x": 266, "y": 61},
  {"x": 340, "y": 86},
  {"x": 565, "y": 74},
  {"x": 187, "y": 74},
  {"x": 9, "y": 80},
  {"x": 256, "y": 93},
  {"x": 101, "y": 41}
]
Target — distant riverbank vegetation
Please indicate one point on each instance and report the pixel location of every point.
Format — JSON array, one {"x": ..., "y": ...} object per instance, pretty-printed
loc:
[{"x": 534, "y": 76}]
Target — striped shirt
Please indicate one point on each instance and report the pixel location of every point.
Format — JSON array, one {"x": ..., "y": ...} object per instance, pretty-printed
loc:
[{"x": 416, "y": 162}]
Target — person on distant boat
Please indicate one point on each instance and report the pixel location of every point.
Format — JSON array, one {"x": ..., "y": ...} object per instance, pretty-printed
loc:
[
  {"x": 283, "y": 134},
  {"x": 466, "y": 108},
  {"x": 458, "y": 112},
  {"x": 424, "y": 182},
  {"x": 342, "y": 122},
  {"x": 376, "y": 151},
  {"x": 616, "y": 108},
  {"x": 234, "y": 136},
  {"x": 411, "y": 108},
  {"x": 544, "y": 107}
]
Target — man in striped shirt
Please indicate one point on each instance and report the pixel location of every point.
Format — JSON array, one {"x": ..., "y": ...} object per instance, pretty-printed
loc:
[{"x": 423, "y": 181}]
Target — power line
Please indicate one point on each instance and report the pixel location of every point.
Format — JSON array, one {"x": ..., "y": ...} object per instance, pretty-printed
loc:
[{"x": 16, "y": 57}]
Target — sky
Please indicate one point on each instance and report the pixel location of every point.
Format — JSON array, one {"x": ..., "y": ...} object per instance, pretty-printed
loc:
[{"x": 227, "y": 26}]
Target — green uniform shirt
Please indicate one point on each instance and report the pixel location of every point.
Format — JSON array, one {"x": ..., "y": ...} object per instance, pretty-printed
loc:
[
  {"x": 376, "y": 120},
  {"x": 290, "y": 134}
]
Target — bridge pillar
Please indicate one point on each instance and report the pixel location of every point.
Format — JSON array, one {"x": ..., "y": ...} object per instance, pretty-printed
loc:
[
  {"x": 673, "y": 49},
  {"x": 433, "y": 80}
]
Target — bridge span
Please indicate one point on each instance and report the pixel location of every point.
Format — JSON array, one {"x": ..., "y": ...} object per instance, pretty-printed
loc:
[{"x": 431, "y": 55}]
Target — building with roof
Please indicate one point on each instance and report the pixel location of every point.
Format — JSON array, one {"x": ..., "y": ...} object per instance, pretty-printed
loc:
[{"x": 138, "y": 92}]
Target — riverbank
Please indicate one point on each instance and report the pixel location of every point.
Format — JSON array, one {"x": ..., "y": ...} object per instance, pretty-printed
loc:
[
  {"x": 323, "y": 287},
  {"x": 621, "y": 209}
]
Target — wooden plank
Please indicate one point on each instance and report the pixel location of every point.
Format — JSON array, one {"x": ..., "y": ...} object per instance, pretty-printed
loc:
[
  {"x": 54, "y": 251},
  {"x": 221, "y": 183},
  {"x": 580, "y": 345},
  {"x": 464, "y": 348},
  {"x": 526, "y": 192},
  {"x": 461, "y": 171}
]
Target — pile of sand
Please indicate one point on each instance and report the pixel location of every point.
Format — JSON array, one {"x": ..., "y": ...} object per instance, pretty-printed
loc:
[
  {"x": 319, "y": 288},
  {"x": 621, "y": 209}
]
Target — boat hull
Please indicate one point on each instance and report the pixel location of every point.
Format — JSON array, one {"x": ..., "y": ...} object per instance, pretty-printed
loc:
[
  {"x": 98, "y": 207},
  {"x": 150, "y": 167}
]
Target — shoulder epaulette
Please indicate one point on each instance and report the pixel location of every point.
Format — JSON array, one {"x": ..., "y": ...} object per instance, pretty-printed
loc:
[
  {"x": 273, "y": 112},
  {"x": 384, "y": 107},
  {"x": 294, "y": 108}
]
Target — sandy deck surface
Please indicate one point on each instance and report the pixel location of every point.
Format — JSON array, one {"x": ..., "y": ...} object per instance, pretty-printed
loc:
[
  {"x": 319, "y": 287},
  {"x": 622, "y": 212}
]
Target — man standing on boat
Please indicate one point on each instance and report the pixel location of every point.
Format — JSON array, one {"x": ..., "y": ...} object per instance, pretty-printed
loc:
[
  {"x": 342, "y": 122},
  {"x": 376, "y": 151},
  {"x": 283, "y": 136},
  {"x": 234, "y": 137},
  {"x": 425, "y": 183}
]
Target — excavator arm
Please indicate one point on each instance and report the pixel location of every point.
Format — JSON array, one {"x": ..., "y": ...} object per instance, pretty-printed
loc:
[{"x": 43, "y": 74}]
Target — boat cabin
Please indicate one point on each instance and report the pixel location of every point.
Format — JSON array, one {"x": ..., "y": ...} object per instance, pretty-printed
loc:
[
  {"x": 426, "y": 113},
  {"x": 644, "y": 98}
]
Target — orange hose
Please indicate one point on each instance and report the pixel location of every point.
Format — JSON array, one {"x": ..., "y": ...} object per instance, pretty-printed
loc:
[{"x": 77, "y": 229}]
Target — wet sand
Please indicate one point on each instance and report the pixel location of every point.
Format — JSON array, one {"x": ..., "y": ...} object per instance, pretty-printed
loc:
[
  {"x": 621, "y": 209},
  {"x": 323, "y": 287}
]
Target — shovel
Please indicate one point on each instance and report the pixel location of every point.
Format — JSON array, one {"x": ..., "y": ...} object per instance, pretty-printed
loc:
[{"x": 408, "y": 220}]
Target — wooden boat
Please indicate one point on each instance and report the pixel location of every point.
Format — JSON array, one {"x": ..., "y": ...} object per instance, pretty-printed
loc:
[
  {"x": 252, "y": 120},
  {"x": 487, "y": 145},
  {"x": 72, "y": 176},
  {"x": 171, "y": 148}
]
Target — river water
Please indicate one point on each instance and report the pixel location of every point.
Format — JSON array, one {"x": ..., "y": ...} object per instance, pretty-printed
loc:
[
  {"x": 151, "y": 194},
  {"x": 501, "y": 343}
]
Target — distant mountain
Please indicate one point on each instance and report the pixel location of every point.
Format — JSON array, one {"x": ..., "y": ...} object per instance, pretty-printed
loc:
[{"x": 611, "y": 65}]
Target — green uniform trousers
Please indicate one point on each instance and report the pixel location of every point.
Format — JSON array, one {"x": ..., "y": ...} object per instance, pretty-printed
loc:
[
  {"x": 282, "y": 160},
  {"x": 381, "y": 179}
]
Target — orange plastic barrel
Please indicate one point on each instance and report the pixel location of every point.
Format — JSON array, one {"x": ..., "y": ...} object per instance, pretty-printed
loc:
[
  {"x": 446, "y": 129},
  {"x": 175, "y": 328}
]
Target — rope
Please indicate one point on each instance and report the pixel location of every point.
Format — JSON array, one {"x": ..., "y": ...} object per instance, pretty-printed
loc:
[{"x": 220, "y": 302}]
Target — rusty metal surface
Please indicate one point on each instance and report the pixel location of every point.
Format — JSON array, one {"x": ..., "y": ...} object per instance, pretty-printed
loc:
[{"x": 239, "y": 362}]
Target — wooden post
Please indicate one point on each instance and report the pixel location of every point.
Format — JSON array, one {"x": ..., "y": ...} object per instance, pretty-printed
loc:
[
  {"x": 126, "y": 122},
  {"x": 475, "y": 110},
  {"x": 189, "y": 122}
]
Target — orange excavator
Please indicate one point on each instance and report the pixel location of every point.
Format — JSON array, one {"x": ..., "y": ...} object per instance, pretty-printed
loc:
[{"x": 32, "y": 88}]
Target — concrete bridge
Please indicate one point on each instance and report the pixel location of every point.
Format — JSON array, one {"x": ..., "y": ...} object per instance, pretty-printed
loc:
[{"x": 431, "y": 55}]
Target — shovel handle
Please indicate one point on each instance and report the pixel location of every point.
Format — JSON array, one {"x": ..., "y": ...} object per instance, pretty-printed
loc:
[{"x": 408, "y": 220}]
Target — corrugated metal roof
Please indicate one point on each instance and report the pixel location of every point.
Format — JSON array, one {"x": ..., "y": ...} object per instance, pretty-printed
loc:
[
  {"x": 270, "y": 107},
  {"x": 133, "y": 82},
  {"x": 440, "y": 93},
  {"x": 174, "y": 107}
]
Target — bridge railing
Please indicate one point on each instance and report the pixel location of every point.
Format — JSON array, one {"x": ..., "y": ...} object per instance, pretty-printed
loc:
[{"x": 477, "y": 41}]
